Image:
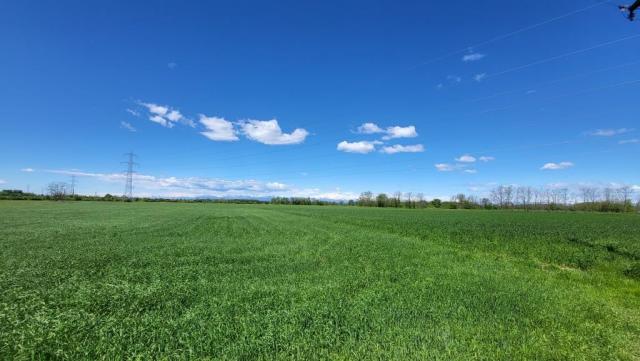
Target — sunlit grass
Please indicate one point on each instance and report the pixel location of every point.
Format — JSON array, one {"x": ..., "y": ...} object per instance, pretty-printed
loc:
[{"x": 132, "y": 280}]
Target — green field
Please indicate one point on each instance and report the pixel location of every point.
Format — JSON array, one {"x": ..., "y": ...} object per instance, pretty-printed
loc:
[{"x": 84, "y": 280}]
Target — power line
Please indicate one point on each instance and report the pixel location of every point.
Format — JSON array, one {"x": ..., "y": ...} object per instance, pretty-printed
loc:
[
  {"x": 128, "y": 186},
  {"x": 581, "y": 92},
  {"x": 512, "y": 33},
  {"x": 554, "y": 81},
  {"x": 561, "y": 56}
]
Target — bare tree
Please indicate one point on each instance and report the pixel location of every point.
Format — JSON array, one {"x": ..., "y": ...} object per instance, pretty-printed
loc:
[
  {"x": 497, "y": 196},
  {"x": 502, "y": 195},
  {"x": 626, "y": 192},
  {"x": 57, "y": 190},
  {"x": 397, "y": 196},
  {"x": 589, "y": 194},
  {"x": 508, "y": 195},
  {"x": 524, "y": 196},
  {"x": 608, "y": 195},
  {"x": 408, "y": 202},
  {"x": 366, "y": 199},
  {"x": 420, "y": 200}
]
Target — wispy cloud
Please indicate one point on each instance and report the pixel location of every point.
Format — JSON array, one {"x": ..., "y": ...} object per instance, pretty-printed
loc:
[
  {"x": 454, "y": 78},
  {"x": 446, "y": 167},
  {"x": 127, "y": 126},
  {"x": 463, "y": 163},
  {"x": 479, "y": 77},
  {"x": 472, "y": 57},
  {"x": 182, "y": 187},
  {"x": 557, "y": 166},
  {"x": 193, "y": 183},
  {"x": 466, "y": 158},
  {"x": 27, "y": 170},
  {"x": 218, "y": 129},
  {"x": 133, "y": 112},
  {"x": 362, "y": 147},
  {"x": 629, "y": 141},
  {"x": 2, "y": 181},
  {"x": 610, "y": 132},
  {"x": 165, "y": 115},
  {"x": 397, "y": 148},
  {"x": 269, "y": 132},
  {"x": 462, "y": 167},
  {"x": 172, "y": 65}
]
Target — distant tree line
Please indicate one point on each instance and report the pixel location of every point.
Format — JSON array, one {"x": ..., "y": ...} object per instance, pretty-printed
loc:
[
  {"x": 606, "y": 199},
  {"x": 603, "y": 199},
  {"x": 300, "y": 201},
  {"x": 59, "y": 193}
]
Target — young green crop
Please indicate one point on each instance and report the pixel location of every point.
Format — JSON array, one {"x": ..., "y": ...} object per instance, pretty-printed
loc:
[{"x": 89, "y": 280}]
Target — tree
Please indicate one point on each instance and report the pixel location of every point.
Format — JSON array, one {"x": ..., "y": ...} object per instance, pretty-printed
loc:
[
  {"x": 57, "y": 190},
  {"x": 626, "y": 192},
  {"x": 397, "y": 196},
  {"x": 436, "y": 203},
  {"x": 502, "y": 196},
  {"x": 524, "y": 196},
  {"x": 382, "y": 200},
  {"x": 589, "y": 194},
  {"x": 408, "y": 202},
  {"x": 366, "y": 199},
  {"x": 420, "y": 200}
]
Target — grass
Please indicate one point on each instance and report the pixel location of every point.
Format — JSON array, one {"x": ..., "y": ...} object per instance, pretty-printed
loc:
[{"x": 205, "y": 281}]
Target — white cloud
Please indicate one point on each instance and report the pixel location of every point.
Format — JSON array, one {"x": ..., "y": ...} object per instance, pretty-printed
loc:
[
  {"x": 218, "y": 129},
  {"x": 397, "y": 148},
  {"x": 479, "y": 77},
  {"x": 470, "y": 171},
  {"x": 390, "y": 132},
  {"x": 127, "y": 126},
  {"x": 150, "y": 182},
  {"x": 557, "y": 166},
  {"x": 133, "y": 112},
  {"x": 610, "y": 132},
  {"x": 166, "y": 116},
  {"x": 635, "y": 188},
  {"x": 189, "y": 187},
  {"x": 472, "y": 57},
  {"x": 369, "y": 128},
  {"x": 466, "y": 158},
  {"x": 275, "y": 186},
  {"x": 362, "y": 147},
  {"x": 446, "y": 167},
  {"x": 27, "y": 170},
  {"x": 2, "y": 181},
  {"x": 269, "y": 132},
  {"x": 335, "y": 195},
  {"x": 454, "y": 78},
  {"x": 485, "y": 158},
  {"x": 160, "y": 120},
  {"x": 629, "y": 141},
  {"x": 174, "y": 116},
  {"x": 400, "y": 132}
]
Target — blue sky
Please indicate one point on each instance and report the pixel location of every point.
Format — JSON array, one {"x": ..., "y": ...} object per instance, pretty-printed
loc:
[{"x": 322, "y": 99}]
